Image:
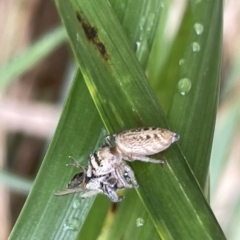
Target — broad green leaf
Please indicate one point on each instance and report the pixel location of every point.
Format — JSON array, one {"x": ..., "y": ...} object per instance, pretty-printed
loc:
[
  {"x": 31, "y": 56},
  {"x": 124, "y": 99}
]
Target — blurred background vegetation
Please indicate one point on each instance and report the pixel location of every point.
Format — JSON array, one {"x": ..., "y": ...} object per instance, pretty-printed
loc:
[{"x": 35, "y": 79}]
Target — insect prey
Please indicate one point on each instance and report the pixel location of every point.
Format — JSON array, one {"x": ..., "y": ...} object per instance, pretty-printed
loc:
[{"x": 108, "y": 183}]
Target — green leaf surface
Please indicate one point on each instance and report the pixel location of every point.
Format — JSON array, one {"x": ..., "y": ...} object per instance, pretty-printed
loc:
[
  {"x": 130, "y": 221},
  {"x": 161, "y": 46},
  {"x": 31, "y": 56},
  {"x": 139, "y": 22},
  {"x": 127, "y": 12},
  {"x": 110, "y": 69},
  {"x": 188, "y": 86},
  {"x": 96, "y": 218},
  {"x": 62, "y": 217}
]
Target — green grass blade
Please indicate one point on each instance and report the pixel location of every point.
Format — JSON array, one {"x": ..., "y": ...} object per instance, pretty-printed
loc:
[
  {"x": 139, "y": 22},
  {"x": 15, "y": 183},
  {"x": 96, "y": 218},
  {"x": 161, "y": 46},
  {"x": 31, "y": 56},
  {"x": 44, "y": 215},
  {"x": 190, "y": 83},
  {"x": 130, "y": 16},
  {"x": 128, "y": 220},
  {"x": 124, "y": 99}
]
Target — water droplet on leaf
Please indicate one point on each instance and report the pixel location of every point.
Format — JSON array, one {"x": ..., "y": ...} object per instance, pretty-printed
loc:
[
  {"x": 142, "y": 23},
  {"x": 73, "y": 224},
  {"x": 198, "y": 28},
  {"x": 181, "y": 61},
  {"x": 184, "y": 86},
  {"x": 139, "y": 222},
  {"x": 196, "y": 47},
  {"x": 76, "y": 204}
]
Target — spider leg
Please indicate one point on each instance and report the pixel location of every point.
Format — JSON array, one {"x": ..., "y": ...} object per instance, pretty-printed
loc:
[
  {"x": 131, "y": 175},
  {"x": 77, "y": 165},
  {"x": 111, "y": 193},
  {"x": 109, "y": 141},
  {"x": 143, "y": 159}
]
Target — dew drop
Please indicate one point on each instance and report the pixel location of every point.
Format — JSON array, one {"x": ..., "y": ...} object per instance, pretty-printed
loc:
[
  {"x": 198, "y": 28},
  {"x": 78, "y": 37},
  {"x": 137, "y": 47},
  {"x": 73, "y": 224},
  {"x": 184, "y": 86},
  {"x": 181, "y": 61},
  {"x": 196, "y": 47},
  {"x": 139, "y": 222},
  {"x": 141, "y": 48},
  {"x": 138, "y": 44},
  {"x": 76, "y": 204},
  {"x": 150, "y": 21},
  {"x": 142, "y": 23}
]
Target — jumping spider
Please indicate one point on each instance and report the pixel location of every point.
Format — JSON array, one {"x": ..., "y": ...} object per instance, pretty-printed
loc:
[{"x": 107, "y": 170}]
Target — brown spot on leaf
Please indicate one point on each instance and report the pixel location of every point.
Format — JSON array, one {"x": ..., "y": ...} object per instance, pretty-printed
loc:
[
  {"x": 78, "y": 17},
  {"x": 92, "y": 35},
  {"x": 113, "y": 207},
  {"x": 101, "y": 48}
]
